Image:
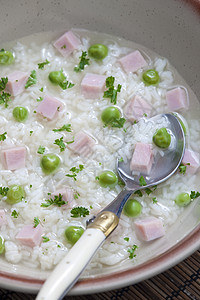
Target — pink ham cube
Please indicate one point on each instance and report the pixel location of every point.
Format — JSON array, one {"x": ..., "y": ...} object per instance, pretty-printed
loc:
[
  {"x": 136, "y": 108},
  {"x": 82, "y": 144},
  {"x": 30, "y": 236},
  {"x": 142, "y": 158},
  {"x": 16, "y": 82},
  {"x": 92, "y": 85},
  {"x": 133, "y": 61},
  {"x": 67, "y": 196},
  {"x": 13, "y": 158},
  {"x": 177, "y": 99},
  {"x": 149, "y": 229},
  {"x": 67, "y": 43},
  {"x": 191, "y": 161},
  {"x": 49, "y": 107},
  {"x": 3, "y": 219}
]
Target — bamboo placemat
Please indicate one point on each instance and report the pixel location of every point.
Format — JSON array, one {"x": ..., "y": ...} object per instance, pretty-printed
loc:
[{"x": 181, "y": 282}]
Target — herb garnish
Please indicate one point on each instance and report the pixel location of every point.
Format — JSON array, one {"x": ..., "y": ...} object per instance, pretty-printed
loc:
[
  {"x": 66, "y": 84},
  {"x": 45, "y": 239},
  {"x": 31, "y": 80},
  {"x": 60, "y": 143},
  {"x": 126, "y": 239},
  {"x": 58, "y": 201},
  {"x": 183, "y": 168},
  {"x": 117, "y": 123},
  {"x": 76, "y": 195},
  {"x": 3, "y": 191},
  {"x": 142, "y": 181},
  {"x": 139, "y": 193},
  {"x": 75, "y": 171},
  {"x": 15, "y": 214},
  {"x": 3, "y": 136},
  {"x": 154, "y": 200},
  {"x": 65, "y": 127},
  {"x": 111, "y": 92},
  {"x": 79, "y": 211},
  {"x": 41, "y": 65},
  {"x": 194, "y": 195},
  {"x": 4, "y": 97},
  {"x": 31, "y": 131},
  {"x": 83, "y": 62},
  {"x": 41, "y": 150},
  {"x": 39, "y": 99},
  {"x": 121, "y": 159},
  {"x": 132, "y": 251},
  {"x": 36, "y": 222}
]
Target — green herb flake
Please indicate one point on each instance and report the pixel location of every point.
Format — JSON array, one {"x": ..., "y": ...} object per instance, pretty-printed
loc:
[
  {"x": 30, "y": 186},
  {"x": 63, "y": 47},
  {"x": 4, "y": 191},
  {"x": 194, "y": 195},
  {"x": 91, "y": 207},
  {"x": 15, "y": 214},
  {"x": 31, "y": 80},
  {"x": 148, "y": 191},
  {"x": 65, "y": 127},
  {"x": 132, "y": 251},
  {"x": 45, "y": 239},
  {"x": 142, "y": 181},
  {"x": 41, "y": 65},
  {"x": 126, "y": 239},
  {"x": 60, "y": 143},
  {"x": 183, "y": 168},
  {"x": 31, "y": 132},
  {"x": 58, "y": 201},
  {"x": 36, "y": 222},
  {"x": 41, "y": 150},
  {"x": 58, "y": 246},
  {"x": 154, "y": 200},
  {"x": 79, "y": 211},
  {"x": 42, "y": 89},
  {"x": 39, "y": 99},
  {"x": 84, "y": 61},
  {"x": 118, "y": 123},
  {"x": 3, "y": 136},
  {"x": 75, "y": 171},
  {"x": 97, "y": 178},
  {"x": 4, "y": 97},
  {"x": 138, "y": 193},
  {"x": 66, "y": 84},
  {"x": 112, "y": 92},
  {"x": 76, "y": 195},
  {"x": 121, "y": 159},
  {"x": 145, "y": 115}
]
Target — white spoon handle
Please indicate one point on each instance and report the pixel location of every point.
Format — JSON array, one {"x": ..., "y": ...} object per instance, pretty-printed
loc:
[{"x": 69, "y": 269}]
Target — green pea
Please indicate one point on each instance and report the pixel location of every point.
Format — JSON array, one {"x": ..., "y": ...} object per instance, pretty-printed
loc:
[
  {"x": 108, "y": 179},
  {"x": 183, "y": 199},
  {"x": 162, "y": 138},
  {"x": 110, "y": 114},
  {"x": 132, "y": 208},
  {"x": 20, "y": 113},
  {"x": 150, "y": 77},
  {"x": 98, "y": 51},
  {"x": 6, "y": 57},
  {"x": 73, "y": 233},
  {"x": 56, "y": 77},
  {"x": 15, "y": 194},
  {"x": 2, "y": 245},
  {"x": 49, "y": 163}
]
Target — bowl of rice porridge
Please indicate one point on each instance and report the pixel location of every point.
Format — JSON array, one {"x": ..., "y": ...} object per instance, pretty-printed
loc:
[{"x": 79, "y": 81}]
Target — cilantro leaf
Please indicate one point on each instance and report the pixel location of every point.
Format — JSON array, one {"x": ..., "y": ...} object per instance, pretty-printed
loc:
[
  {"x": 41, "y": 150},
  {"x": 61, "y": 144},
  {"x": 79, "y": 211},
  {"x": 15, "y": 214},
  {"x": 111, "y": 92},
  {"x": 58, "y": 201},
  {"x": 142, "y": 181},
  {"x": 132, "y": 251},
  {"x": 65, "y": 127},
  {"x": 194, "y": 195},
  {"x": 36, "y": 222},
  {"x": 3, "y": 191},
  {"x": 41, "y": 65},
  {"x": 3, "y": 136},
  {"x": 83, "y": 62},
  {"x": 31, "y": 80},
  {"x": 183, "y": 168},
  {"x": 154, "y": 200},
  {"x": 75, "y": 171}
]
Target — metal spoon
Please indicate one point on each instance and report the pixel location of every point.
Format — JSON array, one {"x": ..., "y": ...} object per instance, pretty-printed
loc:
[{"x": 100, "y": 227}]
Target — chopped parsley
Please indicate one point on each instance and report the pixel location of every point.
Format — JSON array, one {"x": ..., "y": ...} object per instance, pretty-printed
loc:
[
  {"x": 84, "y": 61},
  {"x": 42, "y": 89},
  {"x": 64, "y": 47},
  {"x": 41, "y": 150},
  {"x": 154, "y": 200},
  {"x": 15, "y": 214},
  {"x": 36, "y": 222},
  {"x": 183, "y": 168},
  {"x": 111, "y": 92},
  {"x": 132, "y": 251},
  {"x": 194, "y": 195},
  {"x": 39, "y": 99},
  {"x": 45, "y": 239},
  {"x": 126, "y": 239},
  {"x": 121, "y": 159},
  {"x": 31, "y": 80},
  {"x": 60, "y": 143},
  {"x": 117, "y": 123},
  {"x": 30, "y": 186},
  {"x": 41, "y": 65},
  {"x": 142, "y": 181},
  {"x": 3, "y": 136},
  {"x": 76, "y": 195},
  {"x": 66, "y": 84},
  {"x": 4, "y": 97},
  {"x": 148, "y": 191},
  {"x": 58, "y": 201},
  {"x": 138, "y": 193},
  {"x": 75, "y": 171},
  {"x": 65, "y": 127},
  {"x": 31, "y": 132},
  {"x": 4, "y": 191},
  {"x": 79, "y": 211},
  {"x": 3, "y": 82}
]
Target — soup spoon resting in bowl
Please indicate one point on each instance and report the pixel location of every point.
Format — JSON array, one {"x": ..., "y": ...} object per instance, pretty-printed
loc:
[{"x": 101, "y": 226}]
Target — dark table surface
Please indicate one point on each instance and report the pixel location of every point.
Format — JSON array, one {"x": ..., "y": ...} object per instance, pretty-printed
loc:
[{"x": 179, "y": 282}]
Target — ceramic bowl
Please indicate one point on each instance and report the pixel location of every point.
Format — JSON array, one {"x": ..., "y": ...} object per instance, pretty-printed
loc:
[{"x": 170, "y": 28}]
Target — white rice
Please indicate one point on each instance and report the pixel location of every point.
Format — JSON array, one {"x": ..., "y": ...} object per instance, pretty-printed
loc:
[{"x": 112, "y": 143}]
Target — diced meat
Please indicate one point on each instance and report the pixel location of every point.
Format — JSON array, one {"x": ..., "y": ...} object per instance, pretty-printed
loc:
[
  {"x": 3, "y": 219},
  {"x": 67, "y": 43},
  {"x": 177, "y": 99},
  {"x": 133, "y": 61},
  {"x": 136, "y": 108},
  {"x": 49, "y": 107},
  {"x": 149, "y": 229},
  {"x": 16, "y": 82},
  {"x": 142, "y": 158},
  {"x": 30, "y": 236},
  {"x": 13, "y": 158},
  {"x": 92, "y": 85},
  {"x": 191, "y": 161},
  {"x": 67, "y": 196},
  {"x": 82, "y": 144}
]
